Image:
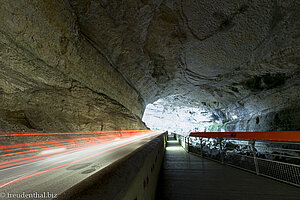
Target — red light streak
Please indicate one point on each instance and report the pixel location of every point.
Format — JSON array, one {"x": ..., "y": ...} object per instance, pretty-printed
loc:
[
  {"x": 55, "y": 146},
  {"x": 44, "y": 156},
  {"x": 77, "y": 133},
  {"x": 60, "y": 166},
  {"x": 50, "y": 143},
  {"x": 46, "y": 142},
  {"x": 41, "y": 149}
]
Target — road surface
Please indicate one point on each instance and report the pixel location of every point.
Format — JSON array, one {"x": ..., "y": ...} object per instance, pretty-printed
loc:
[{"x": 48, "y": 170}]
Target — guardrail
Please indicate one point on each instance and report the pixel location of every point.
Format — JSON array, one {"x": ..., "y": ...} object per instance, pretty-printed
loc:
[{"x": 272, "y": 154}]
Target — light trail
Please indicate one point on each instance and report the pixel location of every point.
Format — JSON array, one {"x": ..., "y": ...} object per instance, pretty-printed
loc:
[
  {"x": 73, "y": 162},
  {"x": 43, "y": 156},
  {"x": 58, "y": 145},
  {"x": 46, "y": 142},
  {"x": 53, "y": 143},
  {"x": 107, "y": 141},
  {"x": 77, "y": 133},
  {"x": 91, "y": 132},
  {"x": 41, "y": 149}
]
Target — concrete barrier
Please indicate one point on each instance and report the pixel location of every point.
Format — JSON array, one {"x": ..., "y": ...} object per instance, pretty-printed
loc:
[{"x": 133, "y": 177}]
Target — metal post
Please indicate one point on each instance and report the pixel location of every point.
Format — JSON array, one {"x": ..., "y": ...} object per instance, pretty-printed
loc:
[
  {"x": 221, "y": 150},
  {"x": 252, "y": 146},
  {"x": 201, "y": 147},
  {"x": 188, "y": 144}
]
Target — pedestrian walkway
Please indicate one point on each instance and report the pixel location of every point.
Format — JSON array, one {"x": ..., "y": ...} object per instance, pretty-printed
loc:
[{"x": 188, "y": 177}]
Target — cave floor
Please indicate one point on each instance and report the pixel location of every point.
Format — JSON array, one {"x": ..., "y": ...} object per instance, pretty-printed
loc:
[{"x": 185, "y": 176}]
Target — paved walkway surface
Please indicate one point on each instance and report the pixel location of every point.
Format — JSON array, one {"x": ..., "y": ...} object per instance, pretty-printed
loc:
[{"x": 188, "y": 177}]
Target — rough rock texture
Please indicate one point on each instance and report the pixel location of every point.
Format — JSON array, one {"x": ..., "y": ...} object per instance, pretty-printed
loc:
[
  {"x": 238, "y": 59},
  {"x": 58, "y": 109},
  {"x": 52, "y": 78}
]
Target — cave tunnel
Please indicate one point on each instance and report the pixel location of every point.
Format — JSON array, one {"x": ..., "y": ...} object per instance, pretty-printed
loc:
[{"x": 111, "y": 99}]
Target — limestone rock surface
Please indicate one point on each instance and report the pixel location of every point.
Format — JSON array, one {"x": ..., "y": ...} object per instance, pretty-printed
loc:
[
  {"x": 52, "y": 78},
  {"x": 234, "y": 58},
  {"x": 238, "y": 60}
]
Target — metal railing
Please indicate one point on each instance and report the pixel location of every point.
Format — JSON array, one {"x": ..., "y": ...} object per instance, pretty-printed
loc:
[{"x": 276, "y": 156}]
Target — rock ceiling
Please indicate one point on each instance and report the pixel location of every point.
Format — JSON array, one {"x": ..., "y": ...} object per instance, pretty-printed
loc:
[
  {"x": 230, "y": 56},
  {"x": 103, "y": 61}
]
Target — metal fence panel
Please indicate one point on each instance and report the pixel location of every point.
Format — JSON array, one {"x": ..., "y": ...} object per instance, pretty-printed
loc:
[{"x": 277, "y": 160}]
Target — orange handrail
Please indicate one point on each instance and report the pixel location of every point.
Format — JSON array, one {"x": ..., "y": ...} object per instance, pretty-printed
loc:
[{"x": 282, "y": 136}]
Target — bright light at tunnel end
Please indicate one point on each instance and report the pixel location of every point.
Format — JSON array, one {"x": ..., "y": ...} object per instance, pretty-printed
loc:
[{"x": 161, "y": 115}]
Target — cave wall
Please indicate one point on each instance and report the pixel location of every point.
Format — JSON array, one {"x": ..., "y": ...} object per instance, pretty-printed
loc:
[
  {"x": 286, "y": 119},
  {"x": 237, "y": 59},
  {"x": 52, "y": 77}
]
